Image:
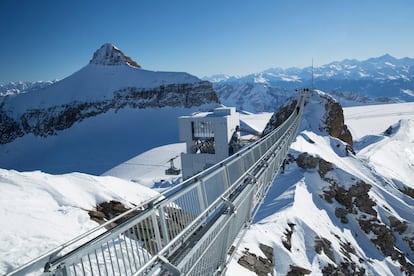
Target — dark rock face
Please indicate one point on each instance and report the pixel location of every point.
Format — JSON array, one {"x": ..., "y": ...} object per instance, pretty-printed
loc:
[
  {"x": 46, "y": 122},
  {"x": 343, "y": 269},
  {"x": 279, "y": 117},
  {"x": 408, "y": 191},
  {"x": 357, "y": 204},
  {"x": 333, "y": 119},
  {"x": 287, "y": 241},
  {"x": 307, "y": 161},
  {"x": 325, "y": 245},
  {"x": 108, "y": 54},
  {"x": 298, "y": 271},
  {"x": 261, "y": 266},
  {"x": 397, "y": 225},
  {"x": 107, "y": 210},
  {"x": 353, "y": 199},
  {"x": 357, "y": 201},
  {"x": 335, "y": 122},
  {"x": 9, "y": 128},
  {"x": 341, "y": 213}
]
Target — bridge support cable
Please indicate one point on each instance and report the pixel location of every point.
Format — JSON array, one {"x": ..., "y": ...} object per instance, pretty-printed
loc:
[{"x": 190, "y": 228}]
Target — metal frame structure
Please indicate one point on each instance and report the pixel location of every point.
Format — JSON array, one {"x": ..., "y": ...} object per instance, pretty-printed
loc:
[{"x": 187, "y": 230}]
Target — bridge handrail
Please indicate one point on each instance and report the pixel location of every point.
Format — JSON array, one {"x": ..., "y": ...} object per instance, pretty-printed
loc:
[{"x": 160, "y": 206}]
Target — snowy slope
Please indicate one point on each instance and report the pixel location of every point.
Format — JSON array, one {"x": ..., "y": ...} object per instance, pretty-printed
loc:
[
  {"x": 375, "y": 119},
  {"x": 40, "y": 211},
  {"x": 149, "y": 167},
  {"x": 102, "y": 115},
  {"x": 397, "y": 152},
  {"x": 319, "y": 240},
  {"x": 94, "y": 82},
  {"x": 298, "y": 208},
  {"x": 98, "y": 144}
]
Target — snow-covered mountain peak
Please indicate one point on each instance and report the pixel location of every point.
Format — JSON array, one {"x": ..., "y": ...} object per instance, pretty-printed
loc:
[{"x": 108, "y": 54}]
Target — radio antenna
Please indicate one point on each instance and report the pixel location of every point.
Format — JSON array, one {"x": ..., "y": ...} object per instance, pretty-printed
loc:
[{"x": 312, "y": 76}]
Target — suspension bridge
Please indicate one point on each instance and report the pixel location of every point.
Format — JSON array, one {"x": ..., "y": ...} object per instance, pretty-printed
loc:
[{"x": 191, "y": 229}]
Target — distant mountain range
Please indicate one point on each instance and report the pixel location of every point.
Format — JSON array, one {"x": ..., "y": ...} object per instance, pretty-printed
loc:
[
  {"x": 352, "y": 82},
  {"x": 22, "y": 86},
  {"x": 383, "y": 79}
]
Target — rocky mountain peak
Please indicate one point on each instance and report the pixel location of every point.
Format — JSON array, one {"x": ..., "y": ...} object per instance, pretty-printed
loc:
[{"x": 108, "y": 54}]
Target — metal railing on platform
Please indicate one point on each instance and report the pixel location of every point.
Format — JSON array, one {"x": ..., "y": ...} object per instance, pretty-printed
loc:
[{"x": 188, "y": 229}]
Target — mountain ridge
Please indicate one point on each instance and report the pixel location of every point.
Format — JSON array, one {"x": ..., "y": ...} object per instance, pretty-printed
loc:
[
  {"x": 373, "y": 81},
  {"x": 108, "y": 87},
  {"x": 332, "y": 211},
  {"x": 109, "y": 81}
]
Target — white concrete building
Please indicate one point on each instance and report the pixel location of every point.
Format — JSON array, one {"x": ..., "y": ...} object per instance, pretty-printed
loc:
[{"x": 208, "y": 136}]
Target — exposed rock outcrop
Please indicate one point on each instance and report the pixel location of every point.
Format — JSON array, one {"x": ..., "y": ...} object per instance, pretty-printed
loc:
[
  {"x": 359, "y": 204},
  {"x": 343, "y": 269},
  {"x": 105, "y": 211},
  {"x": 298, "y": 271},
  {"x": 287, "y": 241},
  {"x": 261, "y": 266},
  {"x": 325, "y": 246},
  {"x": 334, "y": 120},
  {"x": 279, "y": 117},
  {"x": 46, "y": 122},
  {"x": 306, "y": 161},
  {"x": 9, "y": 128},
  {"x": 108, "y": 54},
  {"x": 111, "y": 81},
  {"x": 356, "y": 204},
  {"x": 408, "y": 191}
]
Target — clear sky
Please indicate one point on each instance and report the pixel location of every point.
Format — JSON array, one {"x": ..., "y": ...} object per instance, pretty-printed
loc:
[{"x": 51, "y": 39}]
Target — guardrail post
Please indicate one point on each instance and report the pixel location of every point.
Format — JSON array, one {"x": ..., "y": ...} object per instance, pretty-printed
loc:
[
  {"x": 201, "y": 194},
  {"x": 169, "y": 266},
  {"x": 163, "y": 225},
  {"x": 232, "y": 208},
  {"x": 156, "y": 231}
]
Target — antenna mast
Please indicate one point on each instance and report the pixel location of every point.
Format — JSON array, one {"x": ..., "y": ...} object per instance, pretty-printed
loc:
[{"x": 312, "y": 75}]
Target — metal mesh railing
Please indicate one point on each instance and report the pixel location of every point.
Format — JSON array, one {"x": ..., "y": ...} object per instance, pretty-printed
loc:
[{"x": 187, "y": 230}]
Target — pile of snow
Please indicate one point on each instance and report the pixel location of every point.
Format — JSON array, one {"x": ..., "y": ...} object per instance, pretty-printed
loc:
[{"x": 40, "y": 211}]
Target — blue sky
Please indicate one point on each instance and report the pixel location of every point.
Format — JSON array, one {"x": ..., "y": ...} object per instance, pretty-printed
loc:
[{"x": 51, "y": 39}]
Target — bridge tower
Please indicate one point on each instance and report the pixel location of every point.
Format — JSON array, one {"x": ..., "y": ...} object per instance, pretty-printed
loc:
[{"x": 208, "y": 138}]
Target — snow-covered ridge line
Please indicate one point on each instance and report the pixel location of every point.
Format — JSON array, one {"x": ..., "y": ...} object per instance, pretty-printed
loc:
[
  {"x": 45, "y": 122},
  {"x": 378, "y": 80},
  {"x": 110, "y": 81},
  {"x": 385, "y": 67},
  {"x": 334, "y": 211}
]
